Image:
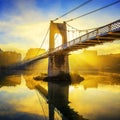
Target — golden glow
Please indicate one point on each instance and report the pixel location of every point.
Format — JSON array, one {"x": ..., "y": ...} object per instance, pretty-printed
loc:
[
  {"x": 30, "y": 35},
  {"x": 28, "y": 100},
  {"x": 58, "y": 40},
  {"x": 95, "y": 95},
  {"x": 86, "y": 59}
]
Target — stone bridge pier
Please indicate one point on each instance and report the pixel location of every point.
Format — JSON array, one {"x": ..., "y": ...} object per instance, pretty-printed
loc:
[{"x": 57, "y": 62}]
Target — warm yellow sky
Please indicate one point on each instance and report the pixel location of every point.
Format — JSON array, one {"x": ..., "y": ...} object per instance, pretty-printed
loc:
[{"x": 23, "y": 25}]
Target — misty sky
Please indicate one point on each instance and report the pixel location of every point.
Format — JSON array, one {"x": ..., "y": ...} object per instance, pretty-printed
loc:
[{"x": 23, "y": 23}]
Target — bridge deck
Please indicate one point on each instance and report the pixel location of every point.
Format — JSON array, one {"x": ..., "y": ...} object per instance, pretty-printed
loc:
[
  {"x": 101, "y": 35},
  {"x": 107, "y": 33}
]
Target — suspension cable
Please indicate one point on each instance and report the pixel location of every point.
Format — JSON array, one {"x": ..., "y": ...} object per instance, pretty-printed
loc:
[
  {"x": 93, "y": 11},
  {"x": 83, "y": 29},
  {"x": 45, "y": 118},
  {"x": 44, "y": 38},
  {"x": 43, "y": 41},
  {"x": 73, "y": 9},
  {"x": 41, "y": 105}
]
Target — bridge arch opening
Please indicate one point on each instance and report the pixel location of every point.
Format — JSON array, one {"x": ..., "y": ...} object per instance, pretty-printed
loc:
[{"x": 58, "y": 39}]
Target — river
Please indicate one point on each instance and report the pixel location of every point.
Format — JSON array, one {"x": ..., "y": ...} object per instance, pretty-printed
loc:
[{"x": 97, "y": 97}]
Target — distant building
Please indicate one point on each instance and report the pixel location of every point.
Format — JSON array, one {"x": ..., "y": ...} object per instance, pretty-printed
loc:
[
  {"x": 33, "y": 52},
  {"x": 8, "y": 58},
  {"x": 1, "y": 50}
]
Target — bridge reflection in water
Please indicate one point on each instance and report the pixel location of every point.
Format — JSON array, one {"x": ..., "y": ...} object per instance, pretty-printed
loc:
[
  {"x": 57, "y": 99},
  {"x": 18, "y": 99}
]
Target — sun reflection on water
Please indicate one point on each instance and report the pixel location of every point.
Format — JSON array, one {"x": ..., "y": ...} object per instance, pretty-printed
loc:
[{"x": 96, "y": 97}]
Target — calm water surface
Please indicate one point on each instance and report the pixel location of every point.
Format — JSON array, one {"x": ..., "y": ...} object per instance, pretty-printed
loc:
[{"x": 95, "y": 98}]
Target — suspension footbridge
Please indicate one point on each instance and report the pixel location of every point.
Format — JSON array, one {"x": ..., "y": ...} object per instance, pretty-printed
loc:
[{"x": 58, "y": 56}]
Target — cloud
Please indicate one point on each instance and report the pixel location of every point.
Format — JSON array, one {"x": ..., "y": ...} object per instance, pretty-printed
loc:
[
  {"x": 23, "y": 30},
  {"x": 33, "y": 33},
  {"x": 26, "y": 24}
]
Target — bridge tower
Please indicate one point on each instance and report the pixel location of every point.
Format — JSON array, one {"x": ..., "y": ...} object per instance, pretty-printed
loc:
[{"x": 57, "y": 62}]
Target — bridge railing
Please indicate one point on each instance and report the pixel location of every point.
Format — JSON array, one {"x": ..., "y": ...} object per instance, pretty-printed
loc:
[
  {"x": 115, "y": 26},
  {"x": 112, "y": 27}
]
